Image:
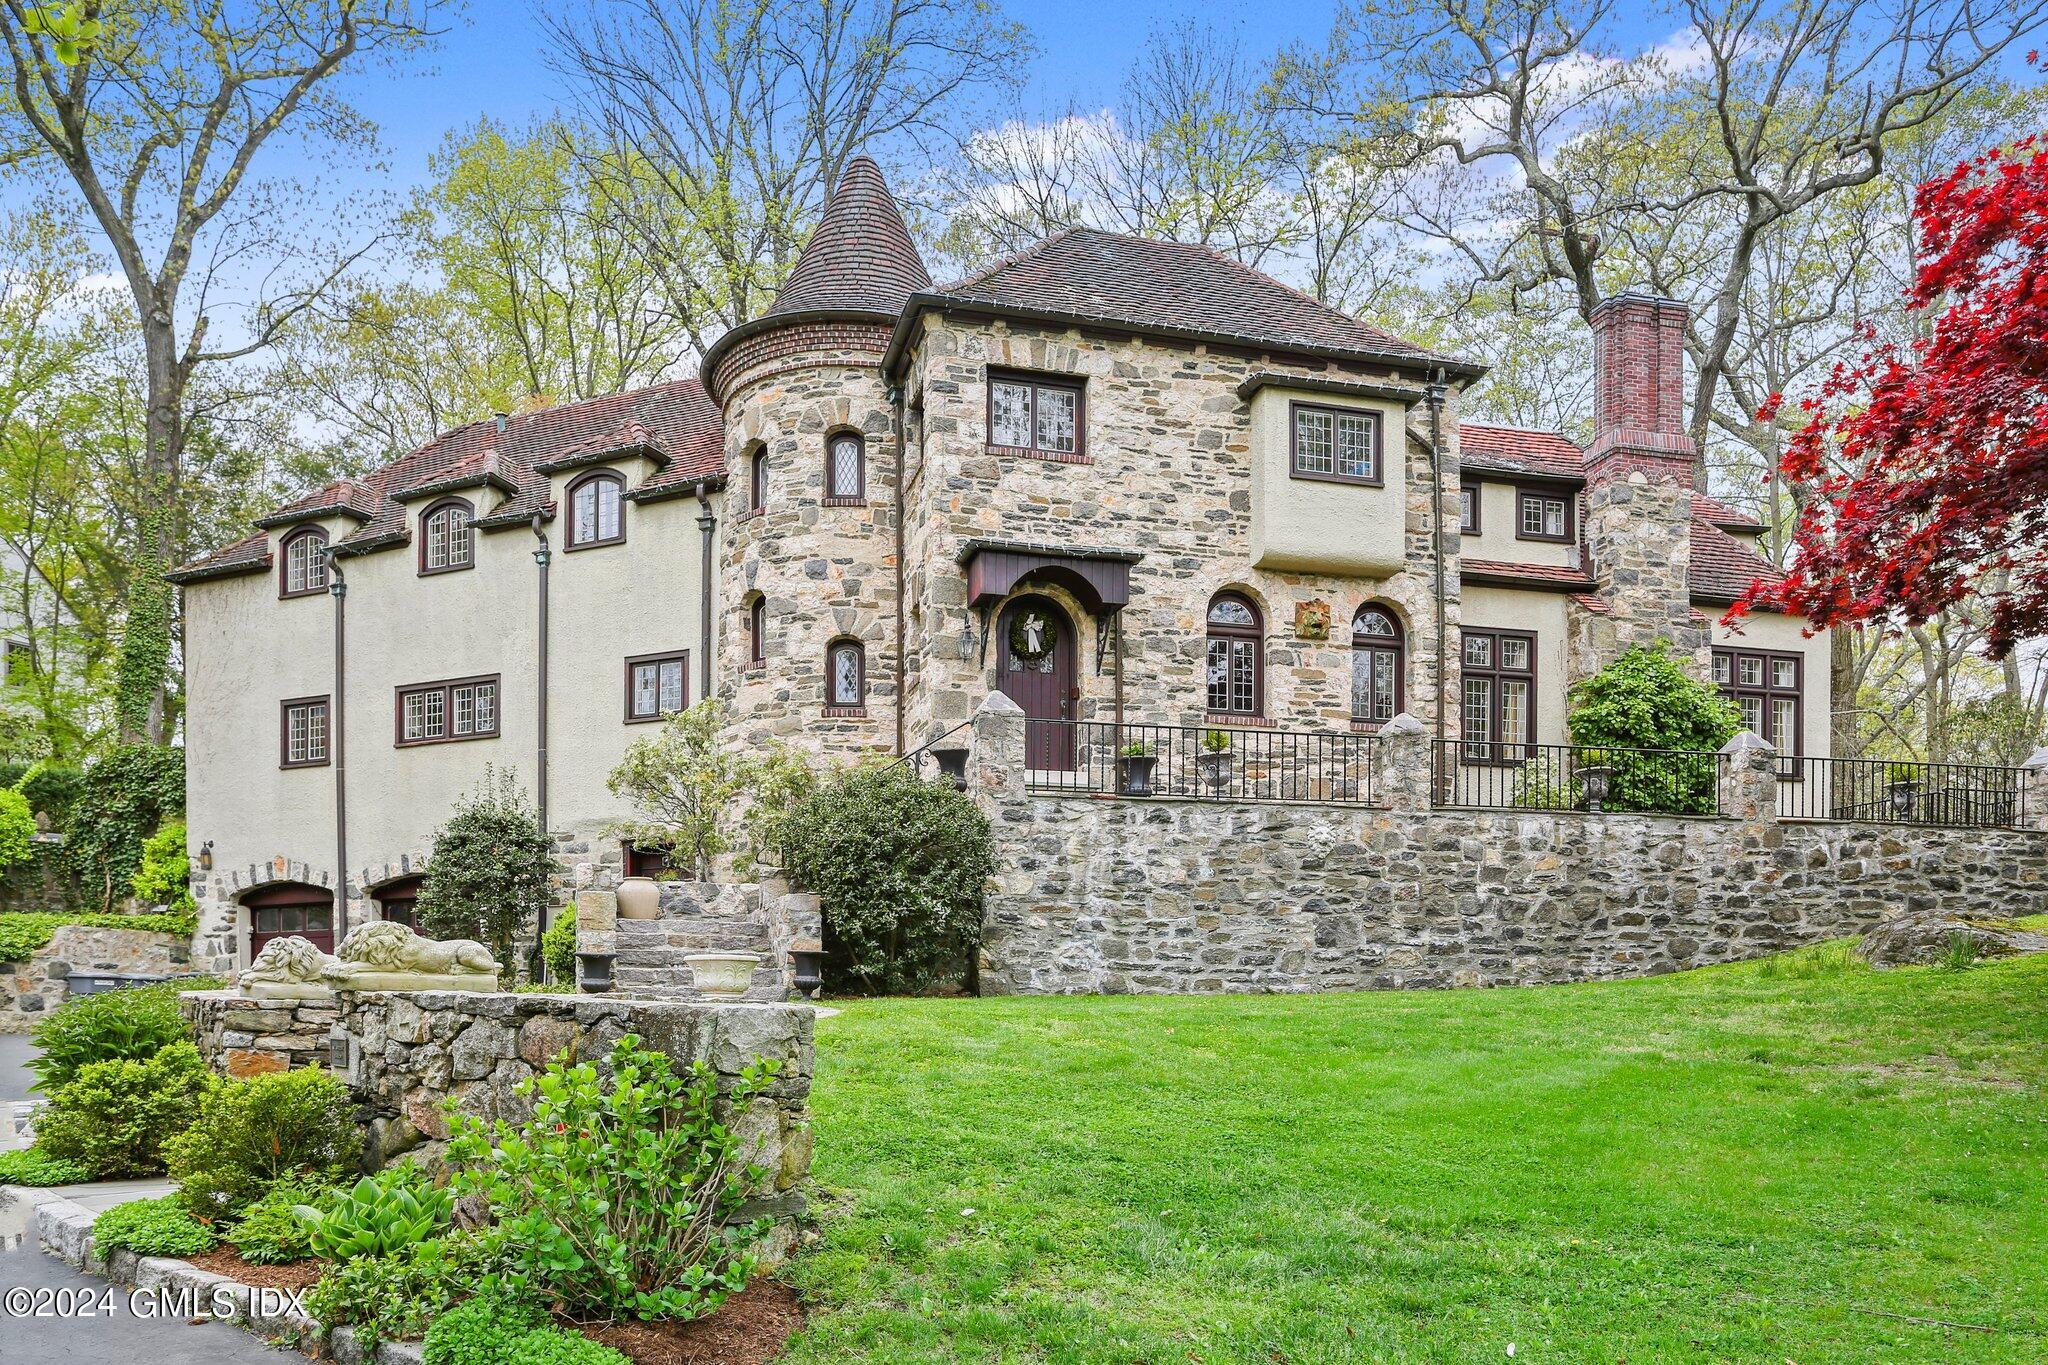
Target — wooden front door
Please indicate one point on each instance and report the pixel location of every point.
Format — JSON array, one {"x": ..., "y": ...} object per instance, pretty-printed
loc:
[{"x": 1035, "y": 669}]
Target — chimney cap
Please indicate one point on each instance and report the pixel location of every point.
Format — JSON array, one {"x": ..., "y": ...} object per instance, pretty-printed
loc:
[{"x": 1639, "y": 297}]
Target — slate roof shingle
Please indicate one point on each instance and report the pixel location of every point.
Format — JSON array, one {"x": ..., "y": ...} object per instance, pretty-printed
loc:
[
  {"x": 859, "y": 258},
  {"x": 1173, "y": 288}
]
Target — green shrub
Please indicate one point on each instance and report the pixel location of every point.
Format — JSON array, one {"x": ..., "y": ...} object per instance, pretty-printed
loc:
[
  {"x": 492, "y": 1331},
  {"x": 611, "y": 1199},
  {"x": 165, "y": 876},
  {"x": 558, "y": 947},
  {"x": 1645, "y": 699},
  {"x": 270, "y": 1231},
  {"x": 378, "y": 1214},
  {"x": 116, "y": 1118},
  {"x": 394, "y": 1298},
  {"x": 490, "y": 872},
  {"x": 29, "y": 1166},
  {"x": 899, "y": 865},
  {"x": 130, "y": 1024},
  {"x": 125, "y": 798},
  {"x": 253, "y": 1133},
  {"x": 17, "y": 828},
  {"x": 152, "y": 1227}
]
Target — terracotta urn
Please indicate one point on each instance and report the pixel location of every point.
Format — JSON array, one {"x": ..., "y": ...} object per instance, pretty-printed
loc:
[
  {"x": 722, "y": 976},
  {"x": 639, "y": 898}
]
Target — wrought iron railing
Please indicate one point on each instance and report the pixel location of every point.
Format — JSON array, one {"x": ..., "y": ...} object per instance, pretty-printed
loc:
[
  {"x": 1878, "y": 791},
  {"x": 1493, "y": 776},
  {"x": 1202, "y": 763}
]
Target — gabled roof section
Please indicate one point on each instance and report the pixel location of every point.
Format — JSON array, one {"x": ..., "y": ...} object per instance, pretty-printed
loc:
[
  {"x": 675, "y": 424},
  {"x": 1489, "y": 449},
  {"x": 1722, "y": 515},
  {"x": 1722, "y": 567},
  {"x": 1179, "y": 290},
  {"x": 859, "y": 258}
]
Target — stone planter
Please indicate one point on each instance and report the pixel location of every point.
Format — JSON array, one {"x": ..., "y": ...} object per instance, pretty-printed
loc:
[
  {"x": 1596, "y": 780},
  {"x": 594, "y": 972},
  {"x": 1215, "y": 768},
  {"x": 639, "y": 898},
  {"x": 722, "y": 976},
  {"x": 1903, "y": 797}
]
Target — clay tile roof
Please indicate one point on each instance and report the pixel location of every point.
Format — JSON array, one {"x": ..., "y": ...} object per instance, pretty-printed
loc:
[
  {"x": 250, "y": 554},
  {"x": 860, "y": 257},
  {"x": 1723, "y": 567},
  {"x": 676, "y": 420},
  {"x": 1174, "y": 288},
  {"x": 1721, "y": 514},
  {"x": 1519, "y": 450},
  {"x": 1560, "y": 577}
]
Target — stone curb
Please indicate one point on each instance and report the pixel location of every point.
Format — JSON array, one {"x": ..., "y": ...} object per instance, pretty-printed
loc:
[{"x": 64, "y": 1230}]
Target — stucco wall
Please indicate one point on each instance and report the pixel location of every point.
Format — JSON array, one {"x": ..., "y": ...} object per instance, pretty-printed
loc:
[
  {"x": 1294, "y": 520},
  {"x": 1544, "y": 614},
  {"x": 1498, "y": 521},
  {"x": 248, "y": 650}
]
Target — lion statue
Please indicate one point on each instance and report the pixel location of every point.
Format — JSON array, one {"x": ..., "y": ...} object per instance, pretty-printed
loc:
[
  {"x": 287, "y": 968},
  {"x": 385, "y": 956}
]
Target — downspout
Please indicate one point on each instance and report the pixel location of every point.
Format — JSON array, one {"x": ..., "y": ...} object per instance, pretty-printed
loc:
[
  {"x": 1433, "y": 395},
  {"x": 902, "y": 465},
  {"x": 708, "y": 525},
  {"x": 543, "y": 556},
  {"x": 337, "y": 587}
]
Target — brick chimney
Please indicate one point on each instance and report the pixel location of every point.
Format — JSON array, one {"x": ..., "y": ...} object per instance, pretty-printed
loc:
[{"x": 1639, "y": 483}]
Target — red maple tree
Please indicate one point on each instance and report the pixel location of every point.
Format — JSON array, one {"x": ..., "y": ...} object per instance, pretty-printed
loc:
[{"x": 1928, "y": 465}]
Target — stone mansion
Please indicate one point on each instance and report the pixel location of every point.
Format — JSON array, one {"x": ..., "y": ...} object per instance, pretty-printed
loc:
[{"x": 1111, "y": 478}]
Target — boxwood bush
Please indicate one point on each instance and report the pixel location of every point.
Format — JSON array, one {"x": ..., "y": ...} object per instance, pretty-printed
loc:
[
  {"x": 1645, "y": 700},
  {"x": 899, "y": 865},
  {"x": 129, "y": 1025},
  {"x": 250, "y": 1134},
  {"x": 116, "y": 1117}
]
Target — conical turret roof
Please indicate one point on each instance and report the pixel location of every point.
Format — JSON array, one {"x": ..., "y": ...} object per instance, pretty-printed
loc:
[{"x": 860, "y": 257}]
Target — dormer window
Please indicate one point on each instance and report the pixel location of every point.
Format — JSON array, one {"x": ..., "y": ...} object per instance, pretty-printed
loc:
[
  {"x": 304, "y": 571},
  {"x": 597, "y": 510},
  {"x": 1033, "y": 415},
  {"x": 1542, "y": 515},
  {"x": 447, "y": 540}
]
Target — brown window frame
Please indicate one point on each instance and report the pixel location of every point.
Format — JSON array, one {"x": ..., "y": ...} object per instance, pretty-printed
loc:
[
  {"x": 859, "y": 495},
  {"x": 648, "y": 862},
  {"x": 833, "y": 706},
  {"x": 280, "y": 898},
  {"x": 1036, "y": 381},
  {"x": 1377, "y": 425},
  {"x": 757, "y": 632},
  {"x": 1524, "y": 492},
  {"x": 1767, "y": 691},
  {"x": 1396, "y": 645},
  {"x": 1494, "y": 750},
  {"x": 404, "y": 891},
  {"x": 672, "y": 656},
  {"x": 325, "y": 703},
  {"x": 446, "y": 505},
  {"x": 284, "y": 562},
  {"x": 757, "y": 481},
  {"x": 1471, "y": 526},
  {"x": 446, "y": 687},
  {"x": 595, "y": 476},
  {"x": 1255, "y": 634}
]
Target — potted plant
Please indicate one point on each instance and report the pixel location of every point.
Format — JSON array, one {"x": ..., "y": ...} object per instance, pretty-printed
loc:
[
  {"x": 1135, "y": 762},
  {"x": 1215, "y": 759},
  {"x": 1902, "y": 786},
  {"x": 1595, "y": 775}
]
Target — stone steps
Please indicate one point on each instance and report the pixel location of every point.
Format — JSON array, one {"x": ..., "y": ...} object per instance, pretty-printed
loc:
[{"x": 652, "y": 954}]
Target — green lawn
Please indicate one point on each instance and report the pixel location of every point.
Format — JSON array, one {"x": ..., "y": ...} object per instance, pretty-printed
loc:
[{"x": 1744, "y": 1164}]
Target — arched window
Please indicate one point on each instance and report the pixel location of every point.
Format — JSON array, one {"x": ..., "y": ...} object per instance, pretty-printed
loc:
[
  {"x": 1378, "y": 666},
  {"x": 447, "y": 541},
  {"x": 846, "y": 676},
  {"x": 757, "y": 485},
  {"x": 757, "y": 631},
  {"x": 290, "y": 909},
  {"x": 1237, "y": 666},
  {"x": 305, "y": 563},
  {"x": 845, "y": 466},
  {"x": 597, "y": 514}
]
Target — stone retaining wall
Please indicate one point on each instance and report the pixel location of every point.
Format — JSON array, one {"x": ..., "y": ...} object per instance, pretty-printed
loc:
[
  {"x": 1102, "y": 895},
  {"x": 410, "y": 1054},
  {"x": 30, "y": 989}
]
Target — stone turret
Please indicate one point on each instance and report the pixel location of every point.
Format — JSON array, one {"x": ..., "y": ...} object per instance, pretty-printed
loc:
[
  {"x": 1639, "y": 483},
  {"x": 809, "y": 549}
]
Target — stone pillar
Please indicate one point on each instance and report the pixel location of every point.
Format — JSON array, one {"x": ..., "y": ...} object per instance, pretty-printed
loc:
[
  {"x": 2034, "y": 790},
  {"x": 1749, "y": 777},
  {"x": 1403, "y": 758},
  {"x": 597, "y": 923},
  {"x": 995, "y": 765}
]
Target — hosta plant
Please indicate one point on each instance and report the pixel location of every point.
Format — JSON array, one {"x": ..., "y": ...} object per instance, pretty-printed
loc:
[{"x": 377, "y": 1215}]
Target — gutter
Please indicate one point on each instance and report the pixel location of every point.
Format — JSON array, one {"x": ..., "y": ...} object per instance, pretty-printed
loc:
[
  {"x": 707, "y": 524},
  {"x": 902, "y": 466},
  {"x": 543, "y": 557}
]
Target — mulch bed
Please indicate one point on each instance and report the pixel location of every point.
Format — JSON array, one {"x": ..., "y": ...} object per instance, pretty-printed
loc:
[
  {"x": 223, "y": 1260},
  {"x": 748, "y": 1329}
]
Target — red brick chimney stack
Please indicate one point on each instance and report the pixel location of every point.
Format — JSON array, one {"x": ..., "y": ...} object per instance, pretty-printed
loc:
[{"x": 1639, "y": 388}]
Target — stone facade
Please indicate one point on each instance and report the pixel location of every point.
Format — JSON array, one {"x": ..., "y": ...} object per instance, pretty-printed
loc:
[
  {"x": 1173, "y": 896},
  {"x": 30, "y": 989},
  {"x": 411, "y": 1055}
]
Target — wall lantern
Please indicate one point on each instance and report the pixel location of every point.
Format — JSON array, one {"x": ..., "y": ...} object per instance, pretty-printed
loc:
[{"x": 206, "y": 856}]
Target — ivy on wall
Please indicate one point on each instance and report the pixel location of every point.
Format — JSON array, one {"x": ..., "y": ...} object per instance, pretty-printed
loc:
[{"x": 145, "y": 641}]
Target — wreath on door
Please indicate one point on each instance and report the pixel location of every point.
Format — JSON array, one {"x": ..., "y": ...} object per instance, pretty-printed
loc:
[{"x": 1031, "y": 636}]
